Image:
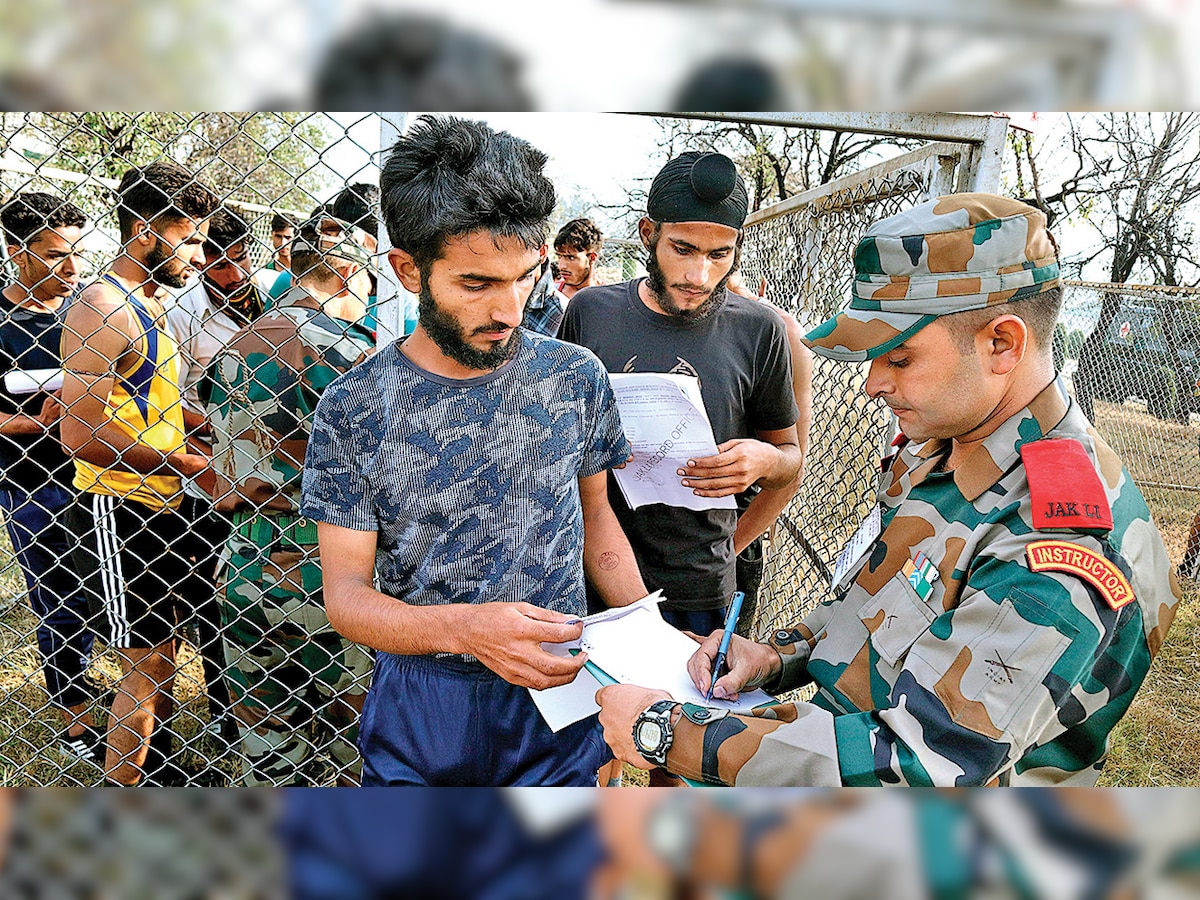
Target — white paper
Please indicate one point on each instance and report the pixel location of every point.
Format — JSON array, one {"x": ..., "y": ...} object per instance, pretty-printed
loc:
[
  {"x": 29, "y": 381},
  {"x": 546, "y": 810},
  {"x": 634, "y": 645},
  {"x": 666, "y": 423},
  {"x": 868, "y": 530}
]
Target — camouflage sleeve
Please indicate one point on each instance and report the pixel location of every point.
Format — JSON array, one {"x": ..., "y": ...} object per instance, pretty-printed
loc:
[{"x": 1022, "y": 657}]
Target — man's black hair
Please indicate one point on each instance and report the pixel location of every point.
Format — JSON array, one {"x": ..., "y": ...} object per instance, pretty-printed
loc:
[
  {"x": 24, "y": 215},
  {"x": 225, "y": 228},
  {"x": 161, "y": 190},
  {"x": 279, "y": 222},
  {"x": 358, "y": 204},
  {"x": 448, "y": 177},
  {"x": 580, "y": 235}
]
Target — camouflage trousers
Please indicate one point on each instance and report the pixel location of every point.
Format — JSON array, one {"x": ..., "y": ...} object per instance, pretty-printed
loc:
[{"x": 297, "y": 686}]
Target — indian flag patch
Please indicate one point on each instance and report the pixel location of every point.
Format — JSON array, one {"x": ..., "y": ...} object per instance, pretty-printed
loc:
[{"x": 921, "y": 574}]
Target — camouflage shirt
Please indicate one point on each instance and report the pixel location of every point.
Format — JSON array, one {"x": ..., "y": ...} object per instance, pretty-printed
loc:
[
  {"x": 1009, "y": 655},
  {"x": 262, "y": 390}
]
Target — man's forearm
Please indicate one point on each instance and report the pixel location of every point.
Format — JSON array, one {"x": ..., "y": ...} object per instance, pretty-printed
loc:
[
  {"x": 784, "y": 468},
  {"x": 366, "y": 616},
  {"x": 110, "y": 448},
  {"x": 762, "y": 512},
  {"x": 18, "y": 424},
  {"x": 608, "y": 559}
]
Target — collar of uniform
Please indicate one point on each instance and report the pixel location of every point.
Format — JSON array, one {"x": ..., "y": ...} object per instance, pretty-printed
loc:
[
  {"x": 1000, "y": 450},
  {"x": 298, "y": 296}
]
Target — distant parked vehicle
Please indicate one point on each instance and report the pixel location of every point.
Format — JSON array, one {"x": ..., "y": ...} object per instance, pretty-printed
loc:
[{"x": 1136, "y": 359}]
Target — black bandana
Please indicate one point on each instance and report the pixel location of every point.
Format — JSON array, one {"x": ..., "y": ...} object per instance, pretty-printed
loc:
[
  {"x": 245, "y": 306},
  {"x": 699, "y": 187}
]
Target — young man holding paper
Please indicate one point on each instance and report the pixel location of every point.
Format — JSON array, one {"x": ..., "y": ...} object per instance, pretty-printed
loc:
[
  {"x": 41, "y": 233},
  {"x": 465, "y": 467},
  {"x": 682, "y": 320}
]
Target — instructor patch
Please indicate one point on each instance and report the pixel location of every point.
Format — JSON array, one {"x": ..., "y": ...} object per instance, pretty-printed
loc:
[{"x": 1084, "y": 563}]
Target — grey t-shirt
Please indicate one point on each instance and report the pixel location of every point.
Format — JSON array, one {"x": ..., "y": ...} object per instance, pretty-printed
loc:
[
  {"x": 471, "y": 485},
  {"x": 740, "y": 355}
]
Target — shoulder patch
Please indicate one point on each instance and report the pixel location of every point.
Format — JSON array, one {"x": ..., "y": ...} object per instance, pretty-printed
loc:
[
  {"x": 1065, "y": 490},
  {"x": 1083, "y": 563}
]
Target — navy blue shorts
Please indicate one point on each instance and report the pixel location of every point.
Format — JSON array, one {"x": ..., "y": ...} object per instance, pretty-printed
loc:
[
  {"x": 443, "y": 722},
  {"x": 702, "y": 622}
]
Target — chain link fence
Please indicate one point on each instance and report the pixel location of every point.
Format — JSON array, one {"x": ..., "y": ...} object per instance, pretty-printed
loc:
[
  {"x": 267, "y": 163},
  {"x": 1138, "y": 380}
]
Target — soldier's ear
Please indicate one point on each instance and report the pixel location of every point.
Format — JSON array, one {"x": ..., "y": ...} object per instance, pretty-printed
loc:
[
  {"x": 406, "y": 269},
  {"x": 1005, "y": 340}
]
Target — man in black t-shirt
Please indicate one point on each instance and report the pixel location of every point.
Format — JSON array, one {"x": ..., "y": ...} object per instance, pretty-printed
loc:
[
  {"x": 41, "y": 233},
  {"x": 681, "y": 319}
]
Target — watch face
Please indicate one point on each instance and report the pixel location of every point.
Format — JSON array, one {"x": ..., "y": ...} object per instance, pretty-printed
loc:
[{"x": 650, "y": 735}]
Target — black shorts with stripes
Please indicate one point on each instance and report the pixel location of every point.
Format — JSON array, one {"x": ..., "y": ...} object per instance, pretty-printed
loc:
[{"x": 129, "y": 558}]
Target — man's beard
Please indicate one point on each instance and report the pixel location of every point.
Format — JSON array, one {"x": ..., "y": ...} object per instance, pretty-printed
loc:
[
  {"x": 656, "y": 280},
  {"x": 220, "y": 293},
  {"x": 154, "y": 263},
  {"x": 582, "y": 279},
  {"x": 452, "y": 341}
]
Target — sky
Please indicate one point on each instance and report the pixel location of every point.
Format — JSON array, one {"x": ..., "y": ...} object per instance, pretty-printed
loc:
[{"x": 593, "y": 154}]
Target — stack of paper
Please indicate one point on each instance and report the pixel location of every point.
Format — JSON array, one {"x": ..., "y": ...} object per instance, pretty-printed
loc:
[{"x": 630, "y": 645}]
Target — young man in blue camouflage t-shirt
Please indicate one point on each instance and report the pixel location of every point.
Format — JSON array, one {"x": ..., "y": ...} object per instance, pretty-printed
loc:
[{"x": 458, "y": 477}]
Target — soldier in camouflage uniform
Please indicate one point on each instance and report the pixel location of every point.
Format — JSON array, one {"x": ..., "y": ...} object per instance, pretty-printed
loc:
[
  {"x": 997, "y": 611},
  {"x": 297, "y": 685}
]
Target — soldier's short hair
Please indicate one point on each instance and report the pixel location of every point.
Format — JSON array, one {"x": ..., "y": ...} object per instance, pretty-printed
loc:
[{"x": 1039, "y": 313}]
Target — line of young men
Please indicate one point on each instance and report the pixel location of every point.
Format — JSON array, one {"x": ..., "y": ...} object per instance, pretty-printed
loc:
[
  {"x": 138, "y": 514},
  {"x": 459, "y": 479}
]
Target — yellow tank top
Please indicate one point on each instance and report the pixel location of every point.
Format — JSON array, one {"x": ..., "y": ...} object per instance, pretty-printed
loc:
[{"x": 145, "y": 404}]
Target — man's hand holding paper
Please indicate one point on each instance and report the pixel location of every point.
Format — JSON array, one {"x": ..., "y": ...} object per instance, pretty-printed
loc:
[
  {"x": 668, "y": 427},
  {"x": 736, "y": 465}
]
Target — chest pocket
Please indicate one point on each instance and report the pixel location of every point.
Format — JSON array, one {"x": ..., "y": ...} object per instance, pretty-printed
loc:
[
  {"x": 895, "y": 618},
  {"x": 1009, "y": 658}
]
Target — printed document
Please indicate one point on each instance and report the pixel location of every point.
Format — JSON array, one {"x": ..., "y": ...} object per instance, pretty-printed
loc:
[
  {"x": 631, "y": 645},
  {"x": 666, "y": 423},
  {"x": 29, "y": 381}
]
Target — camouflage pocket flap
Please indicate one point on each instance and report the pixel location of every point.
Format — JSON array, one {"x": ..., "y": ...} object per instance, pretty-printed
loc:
[
  {"x": 987, "y": 682},
  {"x": 895, "y": 618}
]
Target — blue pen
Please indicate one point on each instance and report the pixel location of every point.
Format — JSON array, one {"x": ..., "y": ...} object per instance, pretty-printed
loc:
[{"x": 731, "y": 617}]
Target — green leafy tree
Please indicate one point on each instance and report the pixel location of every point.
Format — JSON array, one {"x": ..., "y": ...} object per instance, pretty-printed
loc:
[{"x": 272, "y": 159}]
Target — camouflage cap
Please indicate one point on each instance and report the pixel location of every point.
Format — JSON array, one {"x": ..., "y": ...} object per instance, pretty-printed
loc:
[
  {"x": 329, "y": 236},
  {"x": 952, "y": 254}
]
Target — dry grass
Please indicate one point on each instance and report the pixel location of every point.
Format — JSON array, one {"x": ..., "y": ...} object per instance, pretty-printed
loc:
[{"x": 29, "y": 724}]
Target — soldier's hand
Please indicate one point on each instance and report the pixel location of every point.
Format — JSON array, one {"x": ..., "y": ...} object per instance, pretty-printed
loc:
[
  {"x": 508, "y": 638},
  {"x": 750, "y": 665},
  {"x": 620, "y": 705}
]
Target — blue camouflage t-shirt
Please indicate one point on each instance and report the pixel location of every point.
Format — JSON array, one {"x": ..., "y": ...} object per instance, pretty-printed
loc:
[{"x": 471, "y": 484}]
